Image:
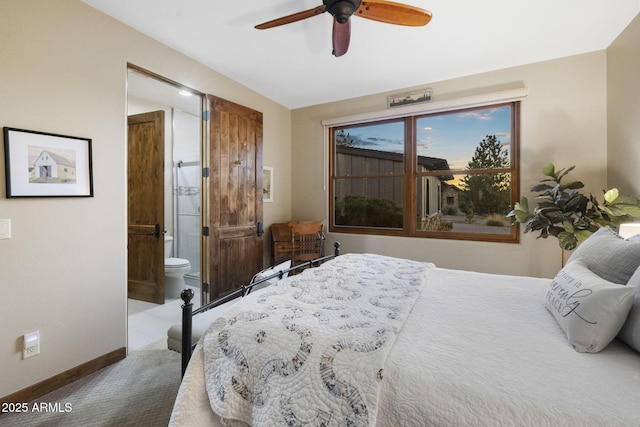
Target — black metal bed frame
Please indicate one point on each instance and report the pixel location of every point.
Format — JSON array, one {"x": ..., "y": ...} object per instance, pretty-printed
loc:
[{"x": 188, "y": 312}]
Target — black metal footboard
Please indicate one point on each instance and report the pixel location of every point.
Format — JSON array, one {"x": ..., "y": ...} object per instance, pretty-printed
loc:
[{"x": 188, "y": 312}]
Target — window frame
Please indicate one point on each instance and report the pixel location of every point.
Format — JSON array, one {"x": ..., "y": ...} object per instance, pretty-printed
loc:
[{"x": 410, "y": 175}]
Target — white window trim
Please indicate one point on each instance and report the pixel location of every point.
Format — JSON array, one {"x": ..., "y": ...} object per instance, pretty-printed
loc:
[{"x": 504, "y": 96}]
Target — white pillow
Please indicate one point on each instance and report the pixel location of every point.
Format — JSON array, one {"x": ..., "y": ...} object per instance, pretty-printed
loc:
[
  {"x": 269, "y": 272},
  {"x": 589, "y": 309},
  {"x": 609, "y": 256},
  {"x": 630, "y": 332}
]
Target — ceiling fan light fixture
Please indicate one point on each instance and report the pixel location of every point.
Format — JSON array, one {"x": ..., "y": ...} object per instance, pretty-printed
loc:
[
  {"x": 386, "y": 11},
  {"x": 342, "y": 9}
]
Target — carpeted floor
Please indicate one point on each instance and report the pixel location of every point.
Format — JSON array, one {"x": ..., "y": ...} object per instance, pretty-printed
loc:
[{"x": 137, "y": 391}]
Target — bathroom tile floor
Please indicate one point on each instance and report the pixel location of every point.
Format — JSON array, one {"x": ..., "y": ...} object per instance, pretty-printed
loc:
[{"x": 148, "y": 323}]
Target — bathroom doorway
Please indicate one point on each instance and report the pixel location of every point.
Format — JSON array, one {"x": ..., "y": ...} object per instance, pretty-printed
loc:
[{"x": 180, "y": 214}]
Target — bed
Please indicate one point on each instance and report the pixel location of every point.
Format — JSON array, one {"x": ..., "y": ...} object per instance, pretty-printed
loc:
[{"x": 433, "y": 347}]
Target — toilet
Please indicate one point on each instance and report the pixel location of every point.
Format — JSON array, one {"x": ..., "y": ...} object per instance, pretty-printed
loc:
[{"x": 174, "y": 271}]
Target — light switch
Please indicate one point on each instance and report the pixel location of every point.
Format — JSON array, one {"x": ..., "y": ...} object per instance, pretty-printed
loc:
[{"x": 5, "y": 229}]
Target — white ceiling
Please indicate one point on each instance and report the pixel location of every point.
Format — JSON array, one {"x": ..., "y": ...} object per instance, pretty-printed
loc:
[{"x": 293, "y": 65}]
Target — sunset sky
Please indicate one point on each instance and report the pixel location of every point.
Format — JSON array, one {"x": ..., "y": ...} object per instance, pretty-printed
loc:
[{"x": 450, "y": 136}]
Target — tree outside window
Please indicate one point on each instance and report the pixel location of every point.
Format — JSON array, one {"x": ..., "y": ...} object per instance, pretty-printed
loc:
[{"x": 488, "y": 194}]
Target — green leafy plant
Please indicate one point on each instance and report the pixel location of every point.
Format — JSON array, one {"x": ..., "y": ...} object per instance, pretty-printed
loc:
[{"x": 567, "y": 214}]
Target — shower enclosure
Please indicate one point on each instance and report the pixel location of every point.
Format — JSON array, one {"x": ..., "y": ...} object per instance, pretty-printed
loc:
[{"x": 186, "y": 192}]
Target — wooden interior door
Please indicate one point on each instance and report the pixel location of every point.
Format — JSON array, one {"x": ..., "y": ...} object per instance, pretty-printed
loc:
[
  {"x": 145, "y": 211},
  {"x": 236, "y": 246}
]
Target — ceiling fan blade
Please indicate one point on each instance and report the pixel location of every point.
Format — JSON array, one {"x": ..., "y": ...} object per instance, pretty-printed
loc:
[
  {"x": 341, "y": 37},
  {"x": 393, "y": 13},
  {"x": 292, "y": 18}
]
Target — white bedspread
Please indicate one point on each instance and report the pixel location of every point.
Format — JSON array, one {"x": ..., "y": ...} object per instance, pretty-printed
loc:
[
  {"x": 482, "y": 350},
  {"x": 313, "y": 347}
]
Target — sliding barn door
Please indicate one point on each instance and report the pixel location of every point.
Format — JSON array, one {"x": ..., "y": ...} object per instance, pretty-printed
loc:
[{"x": 235, "y": 241}]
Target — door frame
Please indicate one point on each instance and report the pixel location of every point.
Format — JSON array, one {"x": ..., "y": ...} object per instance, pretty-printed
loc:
[{"x": 204, "y": 159}]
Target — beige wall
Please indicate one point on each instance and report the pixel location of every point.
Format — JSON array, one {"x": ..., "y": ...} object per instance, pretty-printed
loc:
[
  {"x": 563, "y": 121},
  {"x": 64, "y": 69},
  {"x": 623, "y": 103}
]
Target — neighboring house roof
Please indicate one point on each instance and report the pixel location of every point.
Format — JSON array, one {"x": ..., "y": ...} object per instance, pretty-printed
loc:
[
  {"x": 446, "y": 186},
  {"x": 430, "y": 163}
]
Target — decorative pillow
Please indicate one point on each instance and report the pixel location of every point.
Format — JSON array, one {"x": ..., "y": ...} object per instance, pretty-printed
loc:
[
  {"x": 269, "y": 272},
  {"x": 589, "y": 309},
  {"x": 609, "y": 255},
  {"x": 630, "y": 332}
]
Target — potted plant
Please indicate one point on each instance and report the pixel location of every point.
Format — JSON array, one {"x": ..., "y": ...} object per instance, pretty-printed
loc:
[{"x": 567, "y": 214}]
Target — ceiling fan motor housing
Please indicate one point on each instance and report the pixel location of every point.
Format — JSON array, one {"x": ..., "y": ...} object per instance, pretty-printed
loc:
[{"x": 342, "y": 9}]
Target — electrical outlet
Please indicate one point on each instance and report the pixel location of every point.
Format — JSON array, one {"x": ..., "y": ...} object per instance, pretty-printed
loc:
[
  {"x": 31, "y": 344},
  {"x": 31, "y": 351}
]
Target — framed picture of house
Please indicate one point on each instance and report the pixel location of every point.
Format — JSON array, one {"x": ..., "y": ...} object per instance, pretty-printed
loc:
[
  {"x": 39, "y": 164},
  {"x": 267, "y": 184}
]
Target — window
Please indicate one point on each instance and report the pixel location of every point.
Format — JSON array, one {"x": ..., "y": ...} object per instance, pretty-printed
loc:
[{"x": 451, "y": 174}]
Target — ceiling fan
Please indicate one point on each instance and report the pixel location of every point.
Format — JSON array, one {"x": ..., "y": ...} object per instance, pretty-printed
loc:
[{"x": 377, "y": 10}]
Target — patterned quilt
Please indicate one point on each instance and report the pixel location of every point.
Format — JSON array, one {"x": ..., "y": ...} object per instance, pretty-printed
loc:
[{"x": 311, "y": 351}]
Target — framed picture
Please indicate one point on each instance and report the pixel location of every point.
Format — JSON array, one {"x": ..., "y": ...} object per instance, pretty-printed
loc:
[
  {"x": 423, "y": 95},
  {"x": 39, "y": 164},
  {"x": 267, "y": 184}
]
